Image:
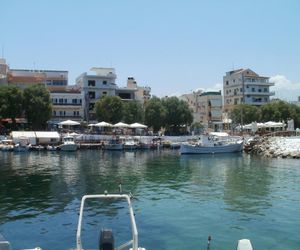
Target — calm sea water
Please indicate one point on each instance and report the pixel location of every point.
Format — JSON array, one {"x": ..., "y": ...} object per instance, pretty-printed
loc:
[{"x": 179, "y": 200}]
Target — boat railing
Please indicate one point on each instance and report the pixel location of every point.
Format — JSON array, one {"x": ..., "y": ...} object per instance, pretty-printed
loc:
[{"x": 133, "y": 242}]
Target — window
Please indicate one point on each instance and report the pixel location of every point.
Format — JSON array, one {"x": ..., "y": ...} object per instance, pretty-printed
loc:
[
  {"x": 64, "y": 113},
  {"x": 66, "y": 101},
  {"x": 227, "y": 82},
  {"x": 80, "y": 101},
  {"x": 54, "y": 113},
  {"x": 259, "y": 90},
  {"x": 74, "y": 101},
  {"x": 233, "y": 80},
  {"x": 104, "y": 93},
  {"x": 104, "y": 82},
  {"x": 265, "y": 89},
  {"x": 253, "y": 89},
  {"x": 61, "y": 100},
  {"x": 92, "y": 94},
  {"x": 91, "y": 83},
  {"x": 60, "y": 113}
]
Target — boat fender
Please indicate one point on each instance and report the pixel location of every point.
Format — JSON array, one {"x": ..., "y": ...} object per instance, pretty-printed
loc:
[{"x": 106, "y": 241}]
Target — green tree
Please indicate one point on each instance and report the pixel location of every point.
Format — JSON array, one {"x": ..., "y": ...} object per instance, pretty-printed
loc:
[
  {"x": 37, "y": 106},
  {"x": 109, "y": 109},
  {"x": 133, "y": 112},
  {"x": 11, "y": 99},
  {"x": 250, "y": 114},
  {"x": 154, "y": 113},
  {"x": 178, "y": 114}
]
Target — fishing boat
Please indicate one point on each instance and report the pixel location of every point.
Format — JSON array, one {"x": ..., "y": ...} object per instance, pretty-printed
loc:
[
  {"x": 106, "y": 237},
  {"x": 114, "y": 144},
  {"x": 7, "y": 145},
  {"x": 130, "y": 144},
  {"x": 68, "y": 144},
  {"x": 23, "y": 145},
  {"x": 215, "y": 142}
]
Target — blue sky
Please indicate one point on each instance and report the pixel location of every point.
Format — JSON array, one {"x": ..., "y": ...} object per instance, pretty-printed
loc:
[{"x": 172, "y": 46}]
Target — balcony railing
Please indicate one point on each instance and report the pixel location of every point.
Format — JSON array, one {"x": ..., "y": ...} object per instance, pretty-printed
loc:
[
  {"x": 259, "y": 93},
  {"x": 66, "y": 104}
]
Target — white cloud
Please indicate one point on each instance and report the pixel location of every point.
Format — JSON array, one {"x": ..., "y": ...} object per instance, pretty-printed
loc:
[{"x": 284, "y": 88}]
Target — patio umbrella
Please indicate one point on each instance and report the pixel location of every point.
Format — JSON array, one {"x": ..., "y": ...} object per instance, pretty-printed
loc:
[
  {"x": 69, "y": 123},
  {"x": 137, "y": 125},
  {"x": 121, "y": 125},
  {"x": 103, "y": 124}
]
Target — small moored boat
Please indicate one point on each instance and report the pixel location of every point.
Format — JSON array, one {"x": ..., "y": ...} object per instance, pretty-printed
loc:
[
  {"x": 213, "y": 143},
  {"x": 68, "y": 144}
]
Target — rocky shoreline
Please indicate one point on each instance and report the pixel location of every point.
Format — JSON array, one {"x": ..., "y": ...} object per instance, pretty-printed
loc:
[{"x": 275, "y": 147}]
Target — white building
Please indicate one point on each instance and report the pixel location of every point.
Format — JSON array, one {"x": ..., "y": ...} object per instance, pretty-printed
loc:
[
  {"x": 244, "y": 86},
  {"x": 207, "y": 107},
  {"x": 95, "y": 84},
  {"x": 67, "y": 103},
  {"x": 3, "y": 72},
  {"x": 142, "y": 94}
]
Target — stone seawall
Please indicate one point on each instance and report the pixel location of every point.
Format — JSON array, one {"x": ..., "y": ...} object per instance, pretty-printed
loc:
[{"x": 283, "y": 147}]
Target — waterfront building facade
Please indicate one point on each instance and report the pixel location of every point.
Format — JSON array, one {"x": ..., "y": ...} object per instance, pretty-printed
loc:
[
  {"x": 244, "y": 86},
  {"x": 142, "y": 94},
  {"x": 192, "y": 99},
  {"x": 207, "y": 108},
  {"x": 3, "y": 72},
  {"x": 66, "y": 104},
  {"x": 23, "y": 78},
  {"x": 210, "y": 109},
  {"x": 95, "y": 84}
]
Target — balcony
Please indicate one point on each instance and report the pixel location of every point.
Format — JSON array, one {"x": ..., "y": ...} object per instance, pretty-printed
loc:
[
  {"x": 259, "y": 93},
  {"x": 67, "y": 104}
]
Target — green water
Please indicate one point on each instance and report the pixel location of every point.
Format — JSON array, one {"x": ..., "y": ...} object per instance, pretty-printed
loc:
[{"x": 179, "y": 200}]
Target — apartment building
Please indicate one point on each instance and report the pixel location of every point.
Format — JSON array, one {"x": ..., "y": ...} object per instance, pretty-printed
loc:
[
  {"x": 244, "y": 86},
  {"x": 23, "y": 78},
  {"x": 142, "y": 94},
  {"x": 95, "y": 84},
  {"x": 206, "y": 106},
  {"x": 210, "y": 109},
  {"x": 3, "y": 72},
  {"x": 192, "y": 100},
  {"x": 66, "y": 103}
]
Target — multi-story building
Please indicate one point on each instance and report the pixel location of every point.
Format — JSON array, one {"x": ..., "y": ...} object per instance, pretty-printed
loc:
[
  {"x": 66, "y": 104},
  {"x": 25, "y": 77},
  {"x": 3, "y": 72},
  {"x": 244, "y": 86},
  {"x": 206, "y": 106},
  {"x": 192, "y": 101},
  {"x": 210, "y": 109},
  {"x": 142, "y": 94},
  {"x": 95, "y": 84}
]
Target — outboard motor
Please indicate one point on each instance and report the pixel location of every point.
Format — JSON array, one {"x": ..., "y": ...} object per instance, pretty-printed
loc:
[{"x": 106, "y": 241}]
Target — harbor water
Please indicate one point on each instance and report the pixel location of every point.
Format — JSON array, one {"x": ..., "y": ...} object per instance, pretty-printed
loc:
[{"x": 178, "y": 200}]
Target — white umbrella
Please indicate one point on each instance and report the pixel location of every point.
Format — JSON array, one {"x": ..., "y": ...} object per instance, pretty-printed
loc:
[
  {"x": 91, "y": 125},
  {"x": 103, "y": 124},
  {"x": 137, "y": 125},
  {"x": 121, "y": 125},
  {"x": 69, "y": 123}
]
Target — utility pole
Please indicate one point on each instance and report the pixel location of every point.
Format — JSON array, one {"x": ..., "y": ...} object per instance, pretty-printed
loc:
[{"x": 243, "y": 102}]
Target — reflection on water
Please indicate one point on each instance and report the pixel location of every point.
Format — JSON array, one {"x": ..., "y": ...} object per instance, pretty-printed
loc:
[{"x": 179, "y": 200}]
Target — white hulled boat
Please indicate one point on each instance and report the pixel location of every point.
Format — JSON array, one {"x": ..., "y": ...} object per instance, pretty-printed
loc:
[
  {"x": 212, "y": 143},
  {"x": 68, "y": 144}
]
